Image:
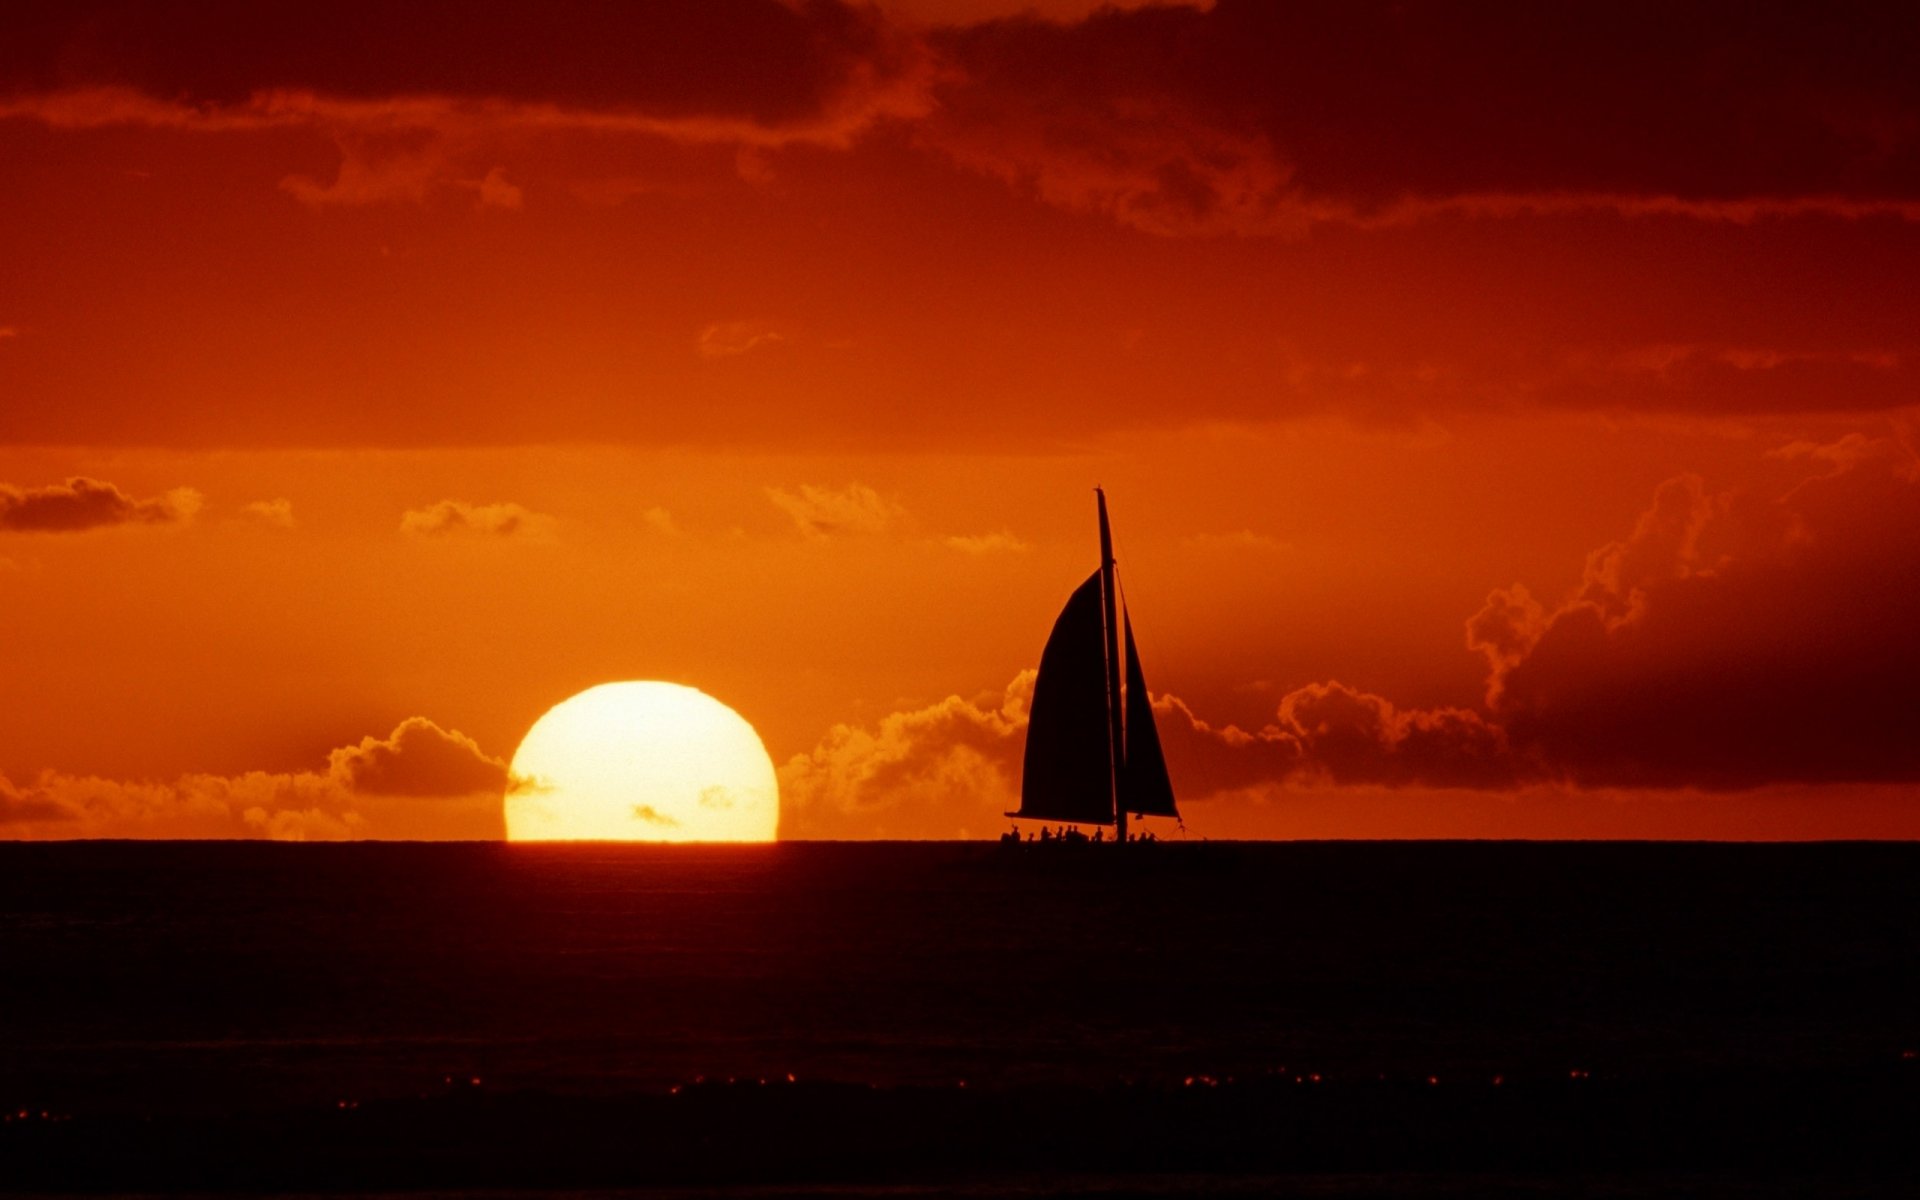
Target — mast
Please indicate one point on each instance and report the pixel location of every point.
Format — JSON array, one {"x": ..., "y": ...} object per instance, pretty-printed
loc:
[{"x": 1115, "y": 731}]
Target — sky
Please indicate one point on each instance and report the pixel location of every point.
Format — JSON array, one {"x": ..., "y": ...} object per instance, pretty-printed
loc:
[{"x": 1508, "y": 411}]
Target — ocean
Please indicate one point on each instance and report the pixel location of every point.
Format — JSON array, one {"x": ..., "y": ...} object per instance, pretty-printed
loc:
[{"x": 201, "y": 981}]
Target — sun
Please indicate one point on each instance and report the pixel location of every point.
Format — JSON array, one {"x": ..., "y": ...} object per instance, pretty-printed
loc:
[{"x": 642, "y": 761}]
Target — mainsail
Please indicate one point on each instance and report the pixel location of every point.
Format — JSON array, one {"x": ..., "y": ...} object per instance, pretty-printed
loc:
[
  {"x": 1068, "y": 774},
  {"x": 1073, "y": 770}
]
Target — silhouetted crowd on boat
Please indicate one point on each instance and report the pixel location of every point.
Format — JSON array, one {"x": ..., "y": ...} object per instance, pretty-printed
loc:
[{"x": 1067, "y": 833}]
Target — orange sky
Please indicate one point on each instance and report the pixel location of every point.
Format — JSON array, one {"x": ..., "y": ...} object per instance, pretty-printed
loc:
[{"x": 1509, "y": 411}]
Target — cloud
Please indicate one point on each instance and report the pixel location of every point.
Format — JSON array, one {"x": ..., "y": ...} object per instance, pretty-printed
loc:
[
  {"x": 1238, "y": 541},
  {"x": 1330, "y": 734},
  {"x": 1259, "y": 118},
  {"x": 947, "y": 770},
  {"x": 1897, "y": 454},
  {"x": 386, "y": 166},
  {"x": 820, "y": 512},
  {"x": 730, "y": 339},
  {"x": 1354, "y": 737},
  {"x": 1144, "y": 160},
  {"x": 31, "y": 807},
  {"x": 495, "y": 192},
  {"x": 81, "y": 504},
  {"x": 277, "y": 512},
  {"x": 376, "y": 168},
  {"x": 650, "y": 815},
  {"x": 972, "y": 12},
  {"x": 1731, "y": 378},
  {"x": 988, "y": 543},
  {"x": 457, "y": 517},
  {"x": 1731, "y": 640},
  {"x": 303, "y": 825},
  {"x": 1242, "y": 117},
  {"x": 411, "y": 105},
  {"x": 418, "y": 759},
  {"x": 420, "y": 782},
  {"x": 951, "y": 769},
  {"x": 1702, "y": 378}
]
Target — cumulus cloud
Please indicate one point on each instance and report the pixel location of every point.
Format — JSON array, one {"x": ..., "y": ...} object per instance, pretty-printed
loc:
[
  {"x": 947, "y": 770},
  {"x": 420, "y": 782},
  {"x": 951, "y": 769},
  {"x": 828, "y": 512},
  {"x": 81, "y": 504},
  {"x": 20, "y": 807},
  {"x": 1330, "y": 734},
  {"x": 1355, "y": 737},
  {"x": 988, "y": 543},
  {"x": 277, "y": 512},
  {"x": 494, "y": 191},
  {"x": 418, "y": 759},
  {"x": 457, "y": 517},
  {"x": 1731, "y": 639}
]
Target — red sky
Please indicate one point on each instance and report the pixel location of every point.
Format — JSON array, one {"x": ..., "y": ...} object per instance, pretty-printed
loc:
[{"x": 1509, "y": 411}]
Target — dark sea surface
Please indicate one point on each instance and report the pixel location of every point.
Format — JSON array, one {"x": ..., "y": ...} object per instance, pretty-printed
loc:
[{"x": 221, "y": 978}]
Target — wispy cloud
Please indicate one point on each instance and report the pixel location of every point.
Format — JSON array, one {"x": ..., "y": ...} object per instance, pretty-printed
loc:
[
  {"x": 277, "y": 512},
  {"x": 450, "y": 518},
  {"x": 82, "y": 504},
  {"x": 821, "y": 512},
  {"x": 1237, "y": 539},
  {"x": 730, "y": 339},
  {"x": 988, "y": 543}
]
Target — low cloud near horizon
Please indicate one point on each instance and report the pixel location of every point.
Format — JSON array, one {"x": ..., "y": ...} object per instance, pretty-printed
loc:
[
  {"x": 819, "y": 511},
  {"x": 421, "y": 782},
  {"x": 81, "y": 504},
  {"x": 1730, "y": 642},
  {"x": 452, "y": 518}
]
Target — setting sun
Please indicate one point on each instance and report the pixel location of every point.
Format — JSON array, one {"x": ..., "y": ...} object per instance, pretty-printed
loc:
[{"x": 642, "y": 762}]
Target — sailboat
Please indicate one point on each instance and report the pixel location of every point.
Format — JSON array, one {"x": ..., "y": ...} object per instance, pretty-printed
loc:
[{"x": 1093, "y": 753}]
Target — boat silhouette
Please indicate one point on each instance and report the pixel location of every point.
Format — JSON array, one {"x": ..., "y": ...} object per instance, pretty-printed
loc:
[{"x": 1093, "y": 753}]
